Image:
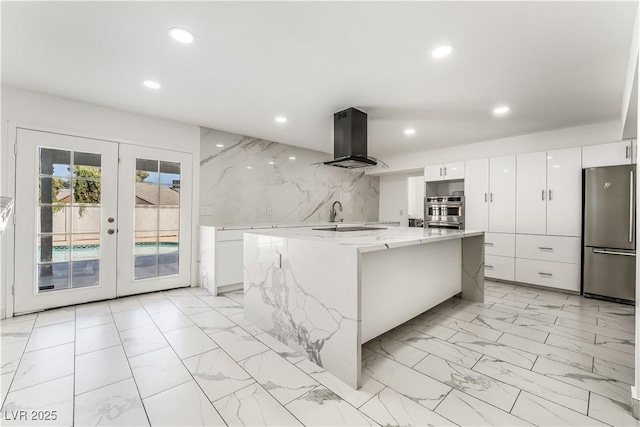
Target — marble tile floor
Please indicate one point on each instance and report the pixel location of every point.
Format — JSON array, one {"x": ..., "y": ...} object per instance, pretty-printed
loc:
[{"x": 526, "y": 357}]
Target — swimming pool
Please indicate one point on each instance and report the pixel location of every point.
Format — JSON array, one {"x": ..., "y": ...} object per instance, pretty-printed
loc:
[{"x": 85, "y": 252}]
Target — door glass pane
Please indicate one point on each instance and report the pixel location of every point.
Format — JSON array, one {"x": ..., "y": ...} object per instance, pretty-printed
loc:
[
  {"x": 53, "y": 276},
  {"x": 55, "y": 162},
  {"x": 69, "y": 218},
  {"x": 157, "y": 218}
]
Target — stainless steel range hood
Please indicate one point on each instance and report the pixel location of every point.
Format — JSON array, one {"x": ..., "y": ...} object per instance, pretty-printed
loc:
[{"x": 350, "y": 140}]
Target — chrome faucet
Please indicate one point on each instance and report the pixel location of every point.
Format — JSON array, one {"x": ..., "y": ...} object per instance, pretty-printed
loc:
[{"x": 333, "y": 210}]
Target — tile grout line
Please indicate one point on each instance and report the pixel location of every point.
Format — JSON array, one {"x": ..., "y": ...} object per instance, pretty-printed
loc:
[
  {"x": 129, "y": 364},
  {"x": 20, "y": 361}
]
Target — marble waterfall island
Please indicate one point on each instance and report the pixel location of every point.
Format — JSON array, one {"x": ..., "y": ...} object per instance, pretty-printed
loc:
[{"x": 325, "y": 293}]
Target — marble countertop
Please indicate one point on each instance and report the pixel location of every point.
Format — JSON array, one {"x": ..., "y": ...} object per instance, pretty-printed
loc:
[
  {"x": 299, "y": 224},
  {"x": 372, "y": 240}
]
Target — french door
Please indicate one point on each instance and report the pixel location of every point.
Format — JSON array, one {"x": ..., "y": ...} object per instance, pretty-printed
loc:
[{"x": 97, "y": 219}]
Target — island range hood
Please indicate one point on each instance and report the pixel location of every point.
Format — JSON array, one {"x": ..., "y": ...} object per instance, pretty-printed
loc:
[{"x": 350, "y": 140}]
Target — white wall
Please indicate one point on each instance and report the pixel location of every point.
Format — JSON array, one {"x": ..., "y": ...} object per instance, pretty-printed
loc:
[
  {"x": 415, "y": 196},
  {"x": 26, "y": 108},
  {"x": 394, "y": 198},
  {"x": 562, "y": 138}
]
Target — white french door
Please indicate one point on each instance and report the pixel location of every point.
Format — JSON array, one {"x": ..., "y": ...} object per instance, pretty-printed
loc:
[
  {"x": 154, "y": 211},
  {"x": 97, "y": 219}
]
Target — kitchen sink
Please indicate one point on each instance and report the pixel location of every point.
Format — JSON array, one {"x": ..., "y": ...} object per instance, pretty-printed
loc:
[{"x": 341, "y": 229}]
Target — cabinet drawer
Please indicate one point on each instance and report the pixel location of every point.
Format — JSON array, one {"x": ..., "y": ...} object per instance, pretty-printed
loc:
[
  {"x": 499, "y": 267},
  {"x": 501, "y": 244},
  {"x": 546, "y": 273},
  {"x": 548, "y": 248}
]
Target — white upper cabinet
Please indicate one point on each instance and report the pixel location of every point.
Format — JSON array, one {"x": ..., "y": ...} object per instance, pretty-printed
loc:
[
  {"x": 433, "y": 173},
  {"x": 444, "y": 172},
  {"x": 612, "y": 154},
  {"x": 531, "y": 205},
  {"x": 453, "y": 170},
  {"x": 564, "y": 192},
  {"x": 550, "y": 193},
  {"x": 476, "y": 191},
  {"x": 502, "y": 194}
]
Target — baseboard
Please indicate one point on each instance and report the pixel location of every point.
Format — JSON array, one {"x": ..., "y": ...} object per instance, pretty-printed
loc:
[
  {"x": 635, "y": 403},
  {"x": 230, "y": 288}
]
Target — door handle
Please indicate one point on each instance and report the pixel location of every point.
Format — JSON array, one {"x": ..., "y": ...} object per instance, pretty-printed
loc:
[
  {"x": 543, "y": 195},
  {"x": 488, "y": 243},
  {"x": 544, "y": 248},
  {"x": 627, "y": 152},
  {"x": 111, "y": 231},
  {"x": 110, "y": 220},
  {"x": 606, "y": 252},
  {"x": 631, "y": 199},
  {"x": 440, "y": 171},
  {"x": 485, "y": 197},
  {"x": 545, "y": 274},
  {"x": 490, "y": 267},
  {"x": 445, "y": 171},
  {"x": 550, "y": 195},
  {"x": 491, "y": 197}
]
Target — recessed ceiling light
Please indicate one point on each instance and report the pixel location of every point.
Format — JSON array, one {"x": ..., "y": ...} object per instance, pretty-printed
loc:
[
  {"x": 441, "y": 51},
  {"x": 281, "y": 119},
  {"x": 249, "y": 167},
  {"x": 151, "y": 84},
  {"x": 219, "y": 145},
  {"x": 501, "y": 110},
  {"x": 292, "y": 158},
  {"x": 182, "y": 35},
  {"x": 409, "y": 131},
  {"x": 271, "y": 163}
]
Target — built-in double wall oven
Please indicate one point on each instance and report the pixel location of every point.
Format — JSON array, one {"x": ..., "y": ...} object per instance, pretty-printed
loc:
[{"x": 444, "y": 212}]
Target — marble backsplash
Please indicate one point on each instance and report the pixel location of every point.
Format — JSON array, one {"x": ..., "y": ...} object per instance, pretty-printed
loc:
[{"x": 240, "y": 185}]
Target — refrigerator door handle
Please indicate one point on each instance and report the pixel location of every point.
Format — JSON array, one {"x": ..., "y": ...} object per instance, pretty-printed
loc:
[
  {"x": 606, "y": 252},
  {"x": 631, "y": 198}
]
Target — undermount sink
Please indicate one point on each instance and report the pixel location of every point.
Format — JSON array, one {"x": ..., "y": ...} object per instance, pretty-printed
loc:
[{"x": 336, "y": 228}]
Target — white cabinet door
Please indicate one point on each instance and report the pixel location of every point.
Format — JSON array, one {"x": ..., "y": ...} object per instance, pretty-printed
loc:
[
  {"x": 476, "y": 195},
  {"x": 531, "y": 204},
  {"x": 453, "y": 170},
  {"x": 502, "y": 194},
  {"x": 612, "y": 154},
  {"x": 564, "y": 192},
  {"x": 433, "y": 173}
]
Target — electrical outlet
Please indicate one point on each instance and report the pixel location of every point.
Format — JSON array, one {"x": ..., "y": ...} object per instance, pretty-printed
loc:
[
  {"x": 206, "y": 210},
  {"x": 269, "y": 211},
  {"x": 401, "y": 212},
  {"x": 277, "y": 262}
]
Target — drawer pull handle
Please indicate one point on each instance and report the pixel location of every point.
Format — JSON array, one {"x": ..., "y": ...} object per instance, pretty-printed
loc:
[
  {"x": 545, "y": 248},
  {"x": 489, "y": 267},
  {"x": 545, "y": 274},
  {"x": 488, "y": 243}
]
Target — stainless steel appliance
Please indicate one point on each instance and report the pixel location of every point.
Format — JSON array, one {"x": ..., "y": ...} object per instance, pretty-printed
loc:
[
  {"x": 609, "y": 264},
  {"x": 444, "y": 212}
]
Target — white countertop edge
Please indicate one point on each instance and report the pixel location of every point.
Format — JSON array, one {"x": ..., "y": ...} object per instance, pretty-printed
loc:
[
  {"x": 364, "y": 247},
  {"x": 299, "y": 225}
]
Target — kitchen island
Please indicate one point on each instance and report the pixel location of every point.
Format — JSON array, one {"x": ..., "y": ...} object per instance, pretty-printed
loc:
[{"x": 325, "y": 293}]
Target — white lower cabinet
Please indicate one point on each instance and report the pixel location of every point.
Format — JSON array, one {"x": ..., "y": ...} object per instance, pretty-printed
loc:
[
  {"x": 551, "y": 261},
  {"x": 548, "y": 248},
  {"x": 229, "y": 262},
  {"x": 557, "y": 275},
  {"x": 499, "y": 267},
  {"x": 501, "y": 244}
]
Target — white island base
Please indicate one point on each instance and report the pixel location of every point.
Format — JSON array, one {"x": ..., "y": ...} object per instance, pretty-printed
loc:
[{"x": 325, "y": 293}]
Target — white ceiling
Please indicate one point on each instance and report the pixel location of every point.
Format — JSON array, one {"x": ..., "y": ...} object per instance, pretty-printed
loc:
[{"x": 556, "y": 64}]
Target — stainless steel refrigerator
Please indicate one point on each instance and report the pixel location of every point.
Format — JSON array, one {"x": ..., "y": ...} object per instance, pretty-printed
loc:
[{"x": 609, "y": 264}]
